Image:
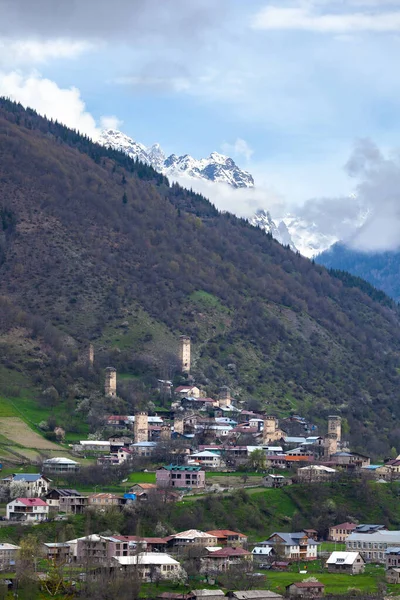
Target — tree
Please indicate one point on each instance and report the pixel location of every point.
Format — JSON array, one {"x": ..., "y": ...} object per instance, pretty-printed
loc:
[
  {"x": 257, "y": 460},
  {"x": 18, "y": 489}
]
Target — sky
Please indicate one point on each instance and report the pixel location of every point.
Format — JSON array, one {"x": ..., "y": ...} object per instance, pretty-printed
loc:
[{"x": 293, "y": 90}]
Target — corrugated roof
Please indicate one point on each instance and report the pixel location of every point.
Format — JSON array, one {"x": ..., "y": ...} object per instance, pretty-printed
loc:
[{"x": 343, "y": 558}]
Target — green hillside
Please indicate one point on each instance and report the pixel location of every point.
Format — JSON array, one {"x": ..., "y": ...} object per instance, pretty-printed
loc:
[{"x": 97, "y": 247}]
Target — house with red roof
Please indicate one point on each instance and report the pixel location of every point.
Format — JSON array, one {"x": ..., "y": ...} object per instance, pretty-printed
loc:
[
  {"x": 221, "y": 559},
  {"x": 226, "y": 537},
  {"x": 27, "y": 509},
  {"x": 340, "y": 533}
]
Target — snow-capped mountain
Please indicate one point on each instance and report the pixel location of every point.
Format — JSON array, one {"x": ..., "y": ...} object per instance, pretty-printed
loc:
[
  {"x": 216, "y": 167},
  {"x": 280, "y": 232}
]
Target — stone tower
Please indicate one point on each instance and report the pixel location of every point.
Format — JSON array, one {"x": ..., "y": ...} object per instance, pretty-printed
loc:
[
  {"x": 141, "y": 427},
  {"x": 330, "y": 445},
  {"x": 91, "y": 355},
  {"x": 224, "y": 396},
  {"x": 270, "y": 431},
  {"x": 184, "y": 353},
  {"x": 178, "y": 425},
  {"x": 165, "y": 434},
  {"x": 110, "y": 386},
  {"x": 335, "y": 426}
]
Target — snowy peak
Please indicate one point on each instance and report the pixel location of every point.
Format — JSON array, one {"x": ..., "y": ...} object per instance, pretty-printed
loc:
[
  {"x": 216, "y": 167},
  {"x": 280, "y": 232}
]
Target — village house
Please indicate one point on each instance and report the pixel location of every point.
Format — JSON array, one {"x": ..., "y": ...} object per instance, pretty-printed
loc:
[
  {"x": 292, "y": 546},
  {"x": 206, "y": 459},
  {"x": 58, "y": 464},
  {"x": 57, "y": 552},
  {"x": 372, "y": 546},
  {"x": 340, "y": 533},
  {"x": 151, "y": 566},
  {"x": 350, "y": 460},
  {"x": 143, "y": 449},
  {"x": 143, "y": 490},
  {"x": 225, "y": 537},
  {"x": 315, "y": 473},
  {"x": 27, "y": 509},
  {"x": 254, "y": 595},
  {"x": 191, "y": 537},
  {"x": 36, "y": 484},
  {"x": 53, "y": 496},
  {"x": 187, "y": 391},
  {"x": 104, "y": 500},
  {"x": 181, "y": 476},
  {"x": 305, "y": 589},
  {"x": 75, "y": 505},
  {"x": 346, "y": 562},
  {"x": 392, "y": 557},
  {"x": 8, "y": 555},
  {"x": 275, "y": 481},
  {"x": 393, "y": 575},
  {"x": 129, "y": 545},
  {"x": 92, "y": 446},
  {"x": 223, "y": 559},
  {"x": 119, "y": 422},
  {"x": 262, "y": 554}
]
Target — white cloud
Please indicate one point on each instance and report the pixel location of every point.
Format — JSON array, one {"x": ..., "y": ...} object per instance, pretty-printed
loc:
[
  {"x": 238, "y": 149},
  {"x": 44, "y": 95},
  {"x": 27, "y": 52},
  {"x": 110, "y": 122},
  {"x": 241, "y": 201},
  {"x": 305, "y": 18}
]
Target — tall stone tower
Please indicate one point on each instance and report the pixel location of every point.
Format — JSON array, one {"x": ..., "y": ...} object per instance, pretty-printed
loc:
[
  {"x": 271, "y": 430},
  {"x": 224, "y": 396},
  {"x": 141, "y": 427},
  {"x": 330, "y": 445},
  {"x": 165, "y": 434},
  {"x": 91, "y": 355},
  {"x": 335, "y": 426},
  {"x": 179, "y": 425},
  {"x": 110, "y": 386},
  {"x": 184, "y": 353}
]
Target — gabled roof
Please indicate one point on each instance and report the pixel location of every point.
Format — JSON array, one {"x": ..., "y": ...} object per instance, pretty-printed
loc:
[
  {"x": 64, "y": 493},
  {"x": 225, "y": 533},
  {"x": 347, "y": 526},
  {"x": 31, "y": 501},
  {"x": 192, "y": 534},
  {"x": 307, "y": 584},
  {"x": 28, "y": 477},
  {"x": 343, "y": 558},
  {"x": 289, "y": 539},
  {"x": 228, "y": 551}
]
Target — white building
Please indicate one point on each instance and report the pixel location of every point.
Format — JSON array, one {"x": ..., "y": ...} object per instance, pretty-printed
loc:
[
  {"x": 8, "y": 554},
  {"x": 151, "y": 565},
  {"x": 36, "y": 484},
  {"x": 27, "y": 509},
  {"x": 59, "y": 464},
  {"x": 206, "y": 459},
  {"x": 372, "y": 546}
]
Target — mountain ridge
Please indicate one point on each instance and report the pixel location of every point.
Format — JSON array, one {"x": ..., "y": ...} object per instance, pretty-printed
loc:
[
  {"x": 95, "y": 246},
  {"x": 217, "y": 167}
]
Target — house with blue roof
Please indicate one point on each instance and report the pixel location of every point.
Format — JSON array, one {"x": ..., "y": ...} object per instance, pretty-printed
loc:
[
  {"x": 292, "y": 546},
  {"x": 36, "y": 484}
]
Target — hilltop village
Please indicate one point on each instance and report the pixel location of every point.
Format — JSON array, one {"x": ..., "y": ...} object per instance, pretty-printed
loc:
[{"x": 172, "y": 459}]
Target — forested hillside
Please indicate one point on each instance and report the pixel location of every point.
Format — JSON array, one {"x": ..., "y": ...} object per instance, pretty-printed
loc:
[
  {"x": 381, "y": 269},
  {"x": 97, "y": 247}
]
